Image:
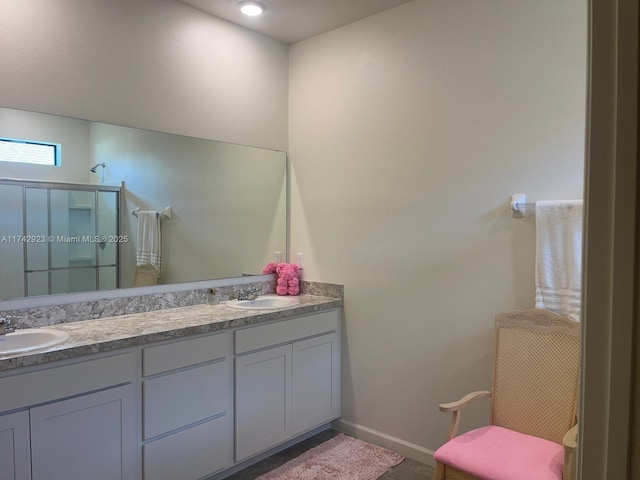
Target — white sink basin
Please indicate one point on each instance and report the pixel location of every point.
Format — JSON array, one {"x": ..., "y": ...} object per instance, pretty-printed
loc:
[
  {"x": 265, "y": 302},
  {"x": 31, "y": 339}
]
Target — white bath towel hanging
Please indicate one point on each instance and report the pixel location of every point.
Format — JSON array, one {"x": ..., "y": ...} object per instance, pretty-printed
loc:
[
  {"x": 148, "y": 250},
  {"x": 559, "y": 256}
]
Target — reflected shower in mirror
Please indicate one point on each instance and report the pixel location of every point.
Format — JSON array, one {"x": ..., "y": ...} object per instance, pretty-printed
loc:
[
  {"x": 228, "y": 202},
  {"x": 61, "y": 237}
]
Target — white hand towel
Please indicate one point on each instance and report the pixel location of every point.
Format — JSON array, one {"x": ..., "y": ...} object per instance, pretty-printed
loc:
[
  {"x": 559, "y": 256},
  {"x": 149, "y": 246}
]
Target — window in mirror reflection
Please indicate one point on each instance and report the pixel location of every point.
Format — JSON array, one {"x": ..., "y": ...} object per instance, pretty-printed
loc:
[{"x": 25, "y": 151}]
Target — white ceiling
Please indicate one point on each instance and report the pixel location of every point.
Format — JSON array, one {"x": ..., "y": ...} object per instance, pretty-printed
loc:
[{"x": 293, "y": 20}]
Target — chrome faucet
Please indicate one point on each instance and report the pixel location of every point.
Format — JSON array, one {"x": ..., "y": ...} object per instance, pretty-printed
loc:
[
  {"x": 250, "y": 293},
  {"x": 6, "y": 326}
]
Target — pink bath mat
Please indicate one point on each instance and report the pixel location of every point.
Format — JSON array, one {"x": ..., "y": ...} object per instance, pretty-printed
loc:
[{"x": 340, "y": 458}]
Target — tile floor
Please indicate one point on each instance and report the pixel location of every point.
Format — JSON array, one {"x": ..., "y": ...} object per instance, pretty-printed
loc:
[{"x": 407, "y": 470}]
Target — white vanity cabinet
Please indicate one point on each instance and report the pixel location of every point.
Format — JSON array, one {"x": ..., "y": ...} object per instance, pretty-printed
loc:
[
  {"x": 15, "y": 452},
  {"x": 187, "y": 417},
  {"x": 286, "y": 379},
  {"x": 80, "y": 421},
  {"x": 188, "y": 408}
]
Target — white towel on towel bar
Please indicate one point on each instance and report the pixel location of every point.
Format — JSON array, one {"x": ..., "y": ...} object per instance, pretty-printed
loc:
[
  {"x": 148, "y": 249},
  {"x": 559, "y": 256}
]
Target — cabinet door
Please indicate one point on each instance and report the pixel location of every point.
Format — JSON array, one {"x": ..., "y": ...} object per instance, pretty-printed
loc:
[
  {"x": 315, "y": 382},
  {"x": 15, "y": 461},
  {"x": 263, "y": 397},
  {"x": 88, "y": 437}
]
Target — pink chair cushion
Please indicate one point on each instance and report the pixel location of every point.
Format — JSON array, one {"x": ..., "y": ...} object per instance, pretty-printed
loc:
[{"x": 496, "y": 453}]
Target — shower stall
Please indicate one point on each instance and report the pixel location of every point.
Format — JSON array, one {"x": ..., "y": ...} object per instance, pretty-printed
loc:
[{"x": 58, "y": 238}]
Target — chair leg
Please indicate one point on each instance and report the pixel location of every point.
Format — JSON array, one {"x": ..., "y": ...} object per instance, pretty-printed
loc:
[
  {"x": 438, "y": 474},
  {"x": 569, "y": 468}
]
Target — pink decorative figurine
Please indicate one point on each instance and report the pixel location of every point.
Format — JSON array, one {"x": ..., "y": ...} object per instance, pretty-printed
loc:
[
  {"x": 270, "y": 268},
  {"x": 288, "y": 281}
]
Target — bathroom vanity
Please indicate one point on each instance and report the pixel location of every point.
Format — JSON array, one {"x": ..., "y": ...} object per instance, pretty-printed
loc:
[{"x": 184, "y": 393}]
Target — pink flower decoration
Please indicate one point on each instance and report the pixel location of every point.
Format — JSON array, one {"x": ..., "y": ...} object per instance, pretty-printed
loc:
[
  {"x": 288, "y": 282},
  {"x": 270, "y": 268},
  {"x": 294, "y": 288}
]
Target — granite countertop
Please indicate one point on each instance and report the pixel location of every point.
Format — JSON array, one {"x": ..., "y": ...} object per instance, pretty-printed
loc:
[{"x": 113, "y": 333}]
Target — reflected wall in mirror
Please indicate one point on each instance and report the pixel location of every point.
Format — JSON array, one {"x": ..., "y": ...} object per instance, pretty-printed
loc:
[{"x": 228, "y": 202}]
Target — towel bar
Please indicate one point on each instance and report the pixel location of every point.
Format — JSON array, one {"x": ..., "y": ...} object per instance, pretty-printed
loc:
[
  {"x": 519, "y": 205},
  {"x": 166, "y": 212}
]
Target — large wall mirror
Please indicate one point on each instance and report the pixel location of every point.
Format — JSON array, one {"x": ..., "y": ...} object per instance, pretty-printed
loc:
[{"x": 227, "y": 204}]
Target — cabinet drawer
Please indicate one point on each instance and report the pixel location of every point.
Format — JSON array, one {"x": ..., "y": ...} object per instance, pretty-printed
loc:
[
  {"x": 179, "y": 399},
  {"x": 254, "y": 338},
  {"x": 185, "y": 353},
  {"x": 54, "y": 383},
  {"x": 191, "y": 454}
]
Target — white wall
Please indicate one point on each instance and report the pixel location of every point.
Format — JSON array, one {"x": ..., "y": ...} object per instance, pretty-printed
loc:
[
  {"x": 409, "y": 131},
  {"x": 155, "y": 64}
]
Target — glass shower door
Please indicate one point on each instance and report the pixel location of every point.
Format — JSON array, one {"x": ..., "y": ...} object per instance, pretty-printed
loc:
[
  {"x": 109, "y": 241},
  {"x": 36, "y": 216},
  {"x": 58, "y": 238},
  {"x": 12, "y": 281},
  {"x": 73, "y": 251}
]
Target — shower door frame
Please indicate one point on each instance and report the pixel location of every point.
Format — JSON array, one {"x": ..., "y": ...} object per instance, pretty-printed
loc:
[{"x": 45, "y": 185}]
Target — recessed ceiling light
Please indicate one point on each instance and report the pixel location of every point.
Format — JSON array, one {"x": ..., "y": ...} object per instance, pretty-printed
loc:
[{"x": 252, "y": 9}]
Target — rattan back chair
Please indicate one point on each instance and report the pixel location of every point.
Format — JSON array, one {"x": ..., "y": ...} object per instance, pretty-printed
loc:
[{"x": 533, "y": 405}]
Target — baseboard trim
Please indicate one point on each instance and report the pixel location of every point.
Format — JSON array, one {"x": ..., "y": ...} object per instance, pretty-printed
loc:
[{"x": 407, "y": 449}]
